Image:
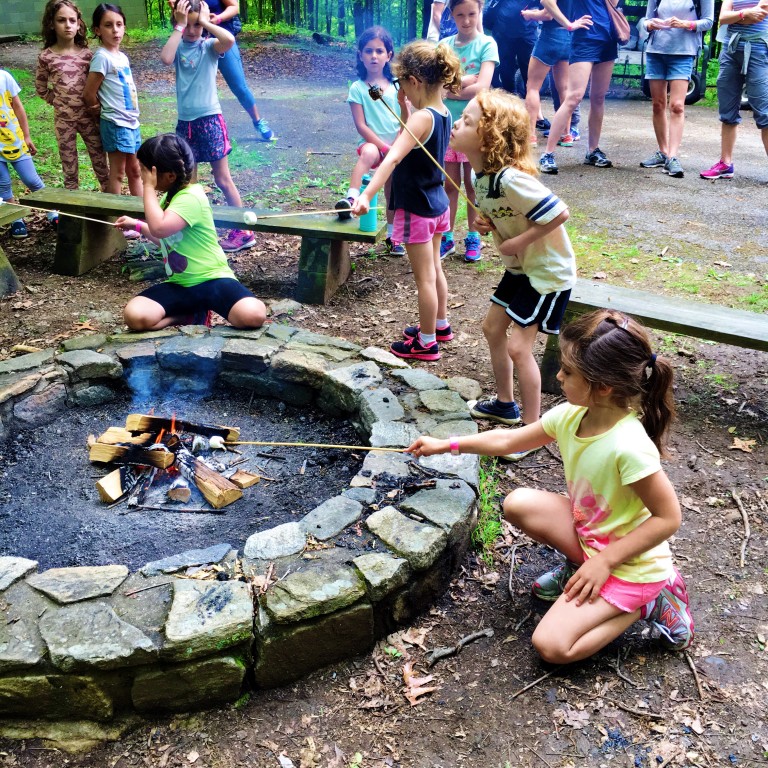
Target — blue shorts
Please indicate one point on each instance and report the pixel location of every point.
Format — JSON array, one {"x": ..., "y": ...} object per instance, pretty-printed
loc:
[
  {"x": 593, "y": 51},
  {"x": 730, "y": 83},
  {"x": 526, "y": 306},
  {"x": 118, "y": 138},
  {"x": 220, "y": 295},
  {"x": 668, "y": 66},
  {"x": 553, "y": 45},
  {"x": 208, "y": 137}
]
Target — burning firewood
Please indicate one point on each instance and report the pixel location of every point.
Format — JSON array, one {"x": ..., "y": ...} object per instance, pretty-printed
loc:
[
  {"x": 179, "y": 490},
  {"x": 130, "y": 454},
  {"x": 118, "y": 435},
  {"x": 139, "y": 491},
  {"x": 117, "y": 483},
  {"x": 217, "y": 490},
  {"x": 137, "y": 422}
]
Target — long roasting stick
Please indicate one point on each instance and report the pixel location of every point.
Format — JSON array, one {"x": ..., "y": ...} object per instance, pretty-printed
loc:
[
  {"x": 316, "y": 445},
  {"x": 308, "y": 213},
  {"x": 61, "y": 213},
  {"x": 375, "y": 93}
]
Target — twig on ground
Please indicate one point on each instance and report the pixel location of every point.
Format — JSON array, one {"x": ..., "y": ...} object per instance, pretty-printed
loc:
[
  {"x": 522, "y": 621},
  {"x": 626, "y": 679},
  {"x": 704, "y": 447},
  {"x": 531, "y": 685},
  {"x": 377, "y": 664},
  {"x": 552, "y": 453},
  {"x": 531, "y": 749},
  {"x": 144, "y": 589},
  {"x": 638, "y": 712},
  {"x": 434, "y": 655},
  {"x": 695, "y": 673},
  {"x": 747, "y": 530},
  {"x": 512, "y": 569}
]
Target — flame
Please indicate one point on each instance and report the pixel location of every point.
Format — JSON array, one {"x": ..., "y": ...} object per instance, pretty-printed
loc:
[
  {"x": 160, "y": 436},
  {"x": 173, "y": 423}
]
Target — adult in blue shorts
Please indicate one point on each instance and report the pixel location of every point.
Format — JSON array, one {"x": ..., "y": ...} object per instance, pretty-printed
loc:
[
  {"x": 593, "y": 53},
  {"x": 675, "y": 28}
]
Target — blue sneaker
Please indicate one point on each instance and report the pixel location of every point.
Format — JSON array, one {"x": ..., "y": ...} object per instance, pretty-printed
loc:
[
  {"x": 575, "y": 133},
  {"x": 447, "y": 247},
  {"x": 473, "y": 247},
  {"x": 547, "y": 163},
  {"x": 543, "y": 124},
  {"x": 19, "y": 230},
  {"x": 262, "y": 126},
  {"x": 493, "y": 410}
]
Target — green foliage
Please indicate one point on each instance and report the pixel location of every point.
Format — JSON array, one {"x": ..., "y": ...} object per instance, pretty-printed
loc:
[{"x": 488, "y": 527}]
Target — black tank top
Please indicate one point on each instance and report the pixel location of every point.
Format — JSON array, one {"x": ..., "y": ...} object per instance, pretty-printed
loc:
[{"x": 417, "y": 183}]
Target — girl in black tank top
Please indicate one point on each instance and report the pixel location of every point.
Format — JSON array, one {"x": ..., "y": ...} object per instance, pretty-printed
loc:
[{"x": 418, "y": 197}]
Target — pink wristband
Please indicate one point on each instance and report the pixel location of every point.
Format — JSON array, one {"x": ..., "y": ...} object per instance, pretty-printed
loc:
[
  {"x": 693, "y": 26},
  {"x": 138, "y": 226},
  {"x": 453, "y": 442}
]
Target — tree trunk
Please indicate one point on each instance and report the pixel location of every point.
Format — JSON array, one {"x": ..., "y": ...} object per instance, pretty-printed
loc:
[
  {"x": 411, "y": 11},
  {"x": 358, "y": 14},
  {"x": 426, "y": 13},
  {"x": 342, "y": 18},
  {"x": 311, "y": 18}
]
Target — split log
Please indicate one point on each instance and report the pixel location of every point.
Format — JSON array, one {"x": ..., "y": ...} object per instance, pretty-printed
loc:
[
  {"x": 179, "y": 490},
  {"x": 244, "y": 479},
  {"x": 117, "y": 435},
  {"x": 217, "y": 490},
  {"x": 142, "y": 486},
  {"x": 137, "y": 422},
  {"x": 130, "y": 454},
  {"x": 116, "y": 484}
]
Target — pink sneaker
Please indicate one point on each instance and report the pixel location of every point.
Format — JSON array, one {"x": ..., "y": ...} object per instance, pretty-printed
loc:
[
  {"x": 237, "y": 240},
  {"x": 718, "y": 171}
]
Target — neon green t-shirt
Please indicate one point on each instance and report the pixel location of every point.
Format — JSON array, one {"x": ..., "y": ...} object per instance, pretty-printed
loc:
[
  {"x": 193, "y": 255},
  {"x": 598, "y": 472}
]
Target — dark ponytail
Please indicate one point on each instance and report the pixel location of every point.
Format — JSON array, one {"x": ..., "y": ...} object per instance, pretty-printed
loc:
[
  {"x": 169, "y": 153},
  {"x": 611, "y": 349}
]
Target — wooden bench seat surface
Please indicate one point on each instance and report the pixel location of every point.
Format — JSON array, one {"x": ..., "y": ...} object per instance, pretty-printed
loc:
[
  {"x": 102, "y": 204},
  {"x": 11, "y": 213},
  {"x": 689, "y": 317}
]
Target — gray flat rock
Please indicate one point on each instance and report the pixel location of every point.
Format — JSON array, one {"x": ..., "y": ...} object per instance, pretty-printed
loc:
[
  {"x": 382, "y": 573},
  {"x": 393, "y": 434},
  {"x": 420, "y": 379},
  {"x": 379, "y": 404},
  {"x": 14, "y": 568},
  {"x": 70, "y": 585},
  {"x": 331, "y": 517},
  {"x": 188, "y": 559},
  {"x": 280, "y": 541},
  {"x": 419, "y": 543},
  {"x": 442, "y": 401},
  {"x": 383, "y": 357}
]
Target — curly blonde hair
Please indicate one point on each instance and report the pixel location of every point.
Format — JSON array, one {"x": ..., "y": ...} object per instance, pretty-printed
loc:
[
  {"x": 436, "y": 67},
  {"x": 504, "y": 132}
]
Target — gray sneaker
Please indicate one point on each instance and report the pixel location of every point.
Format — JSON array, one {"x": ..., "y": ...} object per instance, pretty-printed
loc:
[
  {"x": 656, "y": 160},
  {"x": 673, "y": 168},
  {"x": 547, "y": 163},
  {"x": 597, "y": 158},
  {"x": 550, "y": 585}
]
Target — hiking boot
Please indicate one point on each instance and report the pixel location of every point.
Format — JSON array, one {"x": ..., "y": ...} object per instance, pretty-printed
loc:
[
  {"x": 413, "y": 349},
  {"x": 597, "y": 158},
  {"x": 494, "y": 410},
  {"x": 393, "y": 248},
  {"x": 550, "y": 586},
  {"x": 547, "y": 163},
  {"x": 344, "y": 207},
  {"x": 671, "y": 615},
  {"x": 447, "y": 247},
  {"x": 518, "y": 455},
  {"x": 262, "y": 126},
  {"x": 443, "y": 334},
  {"x": 718, "y": 171},
  {"x": 565, "y": 141},
  {"x": 237, "y": 240},
  {"x": 19, "y": 230},
  {"x": 673, "y": 168},
  {"x": 472, "y": 247},
  {"x": 656, "y": 160},
  {"x": 543, "y": 124}
]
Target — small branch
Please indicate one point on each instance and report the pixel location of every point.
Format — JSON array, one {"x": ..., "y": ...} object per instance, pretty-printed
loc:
[
  {"x": 144, "y": 589},
  {"x": 522, "y": 621},
  {"x": 704, "y": 447},
  {"x": 747, "y": 530},
  {"x": 695, "y": 674},
  {"x": 512, "y": 570},
  {"x": 548, "y": 764},
  {"x": 434, "y": 655},
  {"x": 531, "y": 685},
  {"x": 638, "y": 712},
  {"x": 195, "y": 510},
  {"x": 551, "y": 451}
]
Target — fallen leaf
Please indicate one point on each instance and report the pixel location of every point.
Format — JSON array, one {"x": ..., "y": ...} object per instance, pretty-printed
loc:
[
  {"x": 308, "y": 756},
  {"x": 192, "y": 756},
  {"x": 415, "y": 636},
  {"x": 416, "y": 687},
  {"x": 742, "y": 445},
  {"x": 285, "y": 762},
  {"x": 599, "y": 276}
]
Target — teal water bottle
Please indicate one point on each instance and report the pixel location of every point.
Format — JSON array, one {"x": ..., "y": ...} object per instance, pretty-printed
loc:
[{"x": 368, "y": 221}]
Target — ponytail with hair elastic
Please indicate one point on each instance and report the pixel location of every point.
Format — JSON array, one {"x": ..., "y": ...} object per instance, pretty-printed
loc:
[{"x": 612, "y": 349}]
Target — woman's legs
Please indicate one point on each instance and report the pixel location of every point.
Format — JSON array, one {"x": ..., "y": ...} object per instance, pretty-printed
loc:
[
  {"x": 578, "y": 77},
  {"x": 677, "y": 92},
  {"x": 601, "y": 81},
  {"x": 224, "y": 182},
  {"x": 537, "y": 72},
  {"x": 231, "y": 68},
  {"x": 660, "y": 125}
]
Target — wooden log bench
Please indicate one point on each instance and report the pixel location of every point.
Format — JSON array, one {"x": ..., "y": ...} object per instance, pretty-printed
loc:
[
  {"x": 9, "y": 283},
  {"x": 324, "y": 262},
  {"x": 690, "y": 318}
]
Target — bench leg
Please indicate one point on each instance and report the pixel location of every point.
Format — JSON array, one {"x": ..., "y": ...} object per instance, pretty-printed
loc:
[
  {"x": 83, "y": 245},
  {"x": 323, "y": 266},
  {"x": 9, "y": 283},
  {"x": 550, "y": 365}
]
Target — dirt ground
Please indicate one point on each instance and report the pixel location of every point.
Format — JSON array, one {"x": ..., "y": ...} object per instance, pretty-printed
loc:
[{"x": 631, "y": 705}]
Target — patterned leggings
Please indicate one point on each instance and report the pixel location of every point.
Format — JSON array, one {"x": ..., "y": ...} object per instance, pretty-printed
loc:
[{"x": 66, "y": 134}]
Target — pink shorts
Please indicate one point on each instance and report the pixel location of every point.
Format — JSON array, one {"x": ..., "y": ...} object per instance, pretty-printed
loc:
[
  {"x": 628, "y": 596},
  {"x": 410, "y": 228},
  {"x": 377, "y": 163},
  {"x": 452, "y": 156}
]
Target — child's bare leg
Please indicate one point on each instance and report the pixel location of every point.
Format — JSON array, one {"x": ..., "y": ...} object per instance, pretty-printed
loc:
[
  {"x": 133, "y": 172},
  {"x": 453, "y": 170},
  {"x": 441, "y": 284},
  {"x": 116, "y": 172},
  {"x": 520, "y": 349},
  {"x": 570, "y": 632},
  {"x": 422, "y": 262},
  {"x": 546, "y": 517},
  {"x": 249, "y": 312},
  {"x": 470, "y": 190},
  {"x": 495, "y": 326},
  {"x": 224, "y": 182},
  {"x": 144, "y": 314},
  {"x": 388, "y": 197},
  {"x": 369, "y": 156}
]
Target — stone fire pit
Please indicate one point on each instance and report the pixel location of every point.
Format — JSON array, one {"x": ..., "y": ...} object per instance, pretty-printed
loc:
[{"x": 85, "y": 651}]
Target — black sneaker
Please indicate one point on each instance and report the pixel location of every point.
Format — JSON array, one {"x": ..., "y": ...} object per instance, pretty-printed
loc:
[
  {"x": 597, "y": 158},
  {"x": 492, "y": 410},
  {"x": 344, "y": 206},
  {"x": 443, "y": 334},
  {"x": 413, "y": 349}
]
